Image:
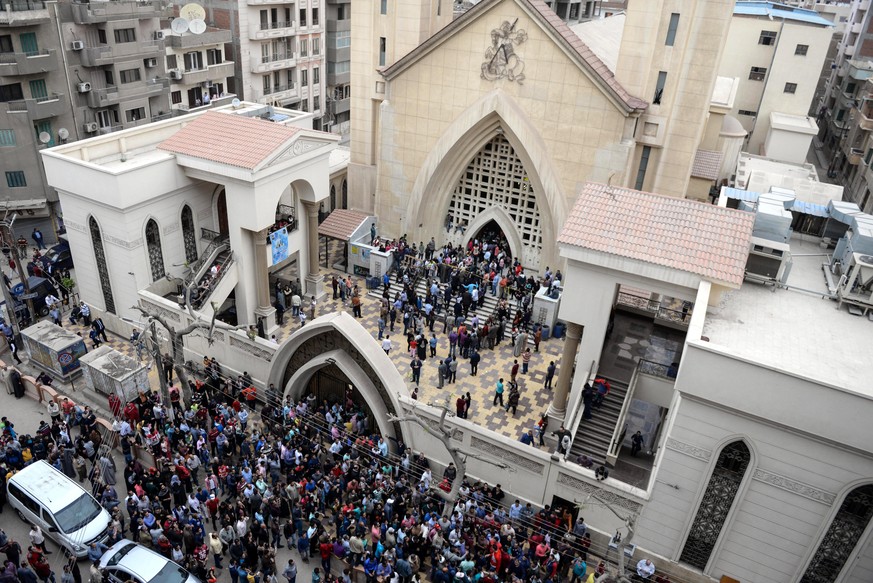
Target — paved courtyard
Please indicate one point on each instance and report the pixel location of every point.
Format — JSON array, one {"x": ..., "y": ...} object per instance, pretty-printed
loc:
[{"x": 534, "y": 399}]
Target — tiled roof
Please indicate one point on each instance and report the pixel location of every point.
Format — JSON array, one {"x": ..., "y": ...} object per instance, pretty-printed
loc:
[
  {"x": 548, "y": 18},
  {"x": 682, "y": 234},
  {"x": 235, "y": 140},
  {"x": 707, "y": 164},
  {"x": 342, "y": 223}
]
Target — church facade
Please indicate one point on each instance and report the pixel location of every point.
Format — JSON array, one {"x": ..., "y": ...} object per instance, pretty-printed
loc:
[{"x": 496, "y": 121}]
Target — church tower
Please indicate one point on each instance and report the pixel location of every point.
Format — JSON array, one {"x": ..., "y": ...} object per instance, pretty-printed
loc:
[
  {"x": 383, "y": 31},
  {"x": 670, "y": 52}
]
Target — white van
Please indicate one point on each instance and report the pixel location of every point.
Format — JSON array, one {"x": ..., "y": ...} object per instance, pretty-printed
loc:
[{"x": 64, "y": 510}]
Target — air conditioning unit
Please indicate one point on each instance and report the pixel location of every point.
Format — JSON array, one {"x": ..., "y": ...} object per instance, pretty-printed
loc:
[
  {"x": 206, "y": 84},
  {"x": 159, "y": 35},
  {"x": 151, "y": 63},
  {"x": 91, "y": 127},
  {"x": 77, "y": 45},
  {"x": 83, "y": 87},
  {"x": 175, "y": 74},
  {"x": 768, "y": 260}
]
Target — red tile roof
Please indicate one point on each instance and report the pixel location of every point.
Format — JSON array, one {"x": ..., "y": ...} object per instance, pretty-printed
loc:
[
  {"x": 235, "y": 140},
  {"x": 547, "y": 18},
  {"x": 682, "y": 234},
  {"x": 342, "y": 223},
  {"x": 707, "y": 164}
]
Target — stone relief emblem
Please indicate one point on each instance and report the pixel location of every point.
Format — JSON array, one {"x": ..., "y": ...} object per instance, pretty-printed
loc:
[{"x": 501, "y": 61}]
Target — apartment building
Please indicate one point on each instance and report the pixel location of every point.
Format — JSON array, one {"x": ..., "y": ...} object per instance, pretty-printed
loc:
[
  {"x": 337, "y": 117},
  {"x": 197, "y": 66},
  {"x": 279, "y": 48},
  {"x": 776, "y": 52},
  {"x": 71, "y": 70}
]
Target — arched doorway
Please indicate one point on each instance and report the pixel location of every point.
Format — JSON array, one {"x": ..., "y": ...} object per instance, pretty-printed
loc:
[
  {"x": 332, "y": 352},
  {"x": 332, "y": 196},
  {"x": 491, "y": 233},
  {"x": 496, "y": 178},
  {"x": 156, "y": 253},
  {"x": 221, "y": 210},
  {"x": 345, "y": 194},
  {"x": 189, "y": 235},
  {"x": 102, "y": 268}
]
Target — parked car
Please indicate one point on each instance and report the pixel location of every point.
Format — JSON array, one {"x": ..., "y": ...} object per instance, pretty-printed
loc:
[
  {"x": 65, "y": 511},
  {"x": 40, "y": 286},
  {"x": 59, "y": 257},
  {"x": 129, "y": 561}
]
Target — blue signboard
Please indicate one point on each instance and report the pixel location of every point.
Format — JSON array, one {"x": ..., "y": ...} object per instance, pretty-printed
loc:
[{"x": 279, "y": 246}]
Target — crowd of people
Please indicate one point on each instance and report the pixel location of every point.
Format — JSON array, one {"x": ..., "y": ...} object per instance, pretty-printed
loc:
[{"x": 233, "y": 481}]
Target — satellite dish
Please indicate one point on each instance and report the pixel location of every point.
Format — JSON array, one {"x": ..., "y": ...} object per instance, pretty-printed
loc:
[
  {"x": 179, "y": 25},
  {"x": 197, "y": 26},
  {"x": 236, "y": 102},
  {"x": 192, "y": 11},
  {"x": 45, "y": 137},
  {"x": 63, "y": 133}
]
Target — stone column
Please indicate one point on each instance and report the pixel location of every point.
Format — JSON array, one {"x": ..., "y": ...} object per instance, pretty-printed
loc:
[
  {"x": 265, "y": 309},
  {"x": 314, "y": 280},
  {"x": 558, "y": 408}
]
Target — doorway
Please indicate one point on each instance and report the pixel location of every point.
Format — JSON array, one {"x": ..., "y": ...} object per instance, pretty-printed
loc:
[
  {"x": 492, "y": 234},
  {"x": 221, "y": 208}
]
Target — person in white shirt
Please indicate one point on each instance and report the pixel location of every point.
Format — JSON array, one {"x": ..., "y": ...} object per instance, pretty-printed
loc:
[
  {"x": 645, "y": 569},
  {"x": 386, "y": 344}
]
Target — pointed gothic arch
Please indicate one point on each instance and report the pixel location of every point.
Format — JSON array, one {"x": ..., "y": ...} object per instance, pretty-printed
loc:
[
  {"x": 839, "y": 542},
  {"x": 496, "y": 113},
  {"x": 504, "y": 221},
  {"x": 189, "y": 234},
  {"x": 102, "y": 266},
  {"x": 339, "y": 341},
  {"x": 154, "y": 249},
  {"x": 719, "y": 497}
]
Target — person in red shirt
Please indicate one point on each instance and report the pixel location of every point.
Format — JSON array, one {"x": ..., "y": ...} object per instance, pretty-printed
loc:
[{"x": 326, "y": 550}]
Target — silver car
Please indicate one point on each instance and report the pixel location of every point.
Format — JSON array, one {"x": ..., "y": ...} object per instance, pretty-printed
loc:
[{"x": 129, "y": 561}]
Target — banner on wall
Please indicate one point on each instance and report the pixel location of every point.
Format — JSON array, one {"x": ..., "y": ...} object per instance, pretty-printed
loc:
[{"x": 279, "y": 245}]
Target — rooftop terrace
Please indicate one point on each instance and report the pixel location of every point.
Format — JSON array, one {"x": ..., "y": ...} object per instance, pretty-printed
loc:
[{"x": 796, "y": 330}]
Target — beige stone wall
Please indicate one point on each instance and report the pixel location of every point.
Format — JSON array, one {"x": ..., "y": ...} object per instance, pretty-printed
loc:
[{"x": 439, "y": 112}]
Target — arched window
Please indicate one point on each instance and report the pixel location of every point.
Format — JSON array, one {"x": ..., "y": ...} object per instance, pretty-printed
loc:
[
  {"x": 332, "y": 196},
  {"x": 733, "y": 461},
  {"x": 189, "y": 237},
  {"x": 102, "y": 269},
  {"x": 841, "y": 537},
  {"x": 345, "y": 194},
  {"x": 156, "y": 254}
]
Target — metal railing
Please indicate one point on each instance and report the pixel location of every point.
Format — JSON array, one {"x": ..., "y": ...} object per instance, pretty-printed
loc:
[
  {"x": 278, "y": 88},
  {"x": 638, "y": 302},
  {"x": 201, "y": 299},
  {"x": 204, "y": 262},
  {"x": 576, "y": 413},
  {"x": 618, "y": 434},
  {"x": 275, "y": 25},
  {"x": 209, "y": 234},
  {"x": 276, "y": 57},
  {"x": 24, "y": 5},
  {"x": 657, "y": 369},
  {"x": 21, "y": 105}
]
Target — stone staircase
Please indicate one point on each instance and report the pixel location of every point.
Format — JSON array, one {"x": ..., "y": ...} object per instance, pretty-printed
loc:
[
  {"x": 594, "y": 435},
  {"x": 489, "y": 307}
]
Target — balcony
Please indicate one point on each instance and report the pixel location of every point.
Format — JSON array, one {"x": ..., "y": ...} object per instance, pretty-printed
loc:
[
  {"x": 114, "y": 95},
  {"x": 218, "y": 72},
  {"x": 182, "y": 108},
  {"x": 84, "y": 13},
  {"x": 12, "y": 64},
  {"x": 277, "y": 62},
  {"x": 210, "y": 37},
  {"x": 23, "y": 13},
  {"x": 269, "y": 2},
  {"x": 864, "y": 5},
  {"x": 857, "y": 28},
  {"x": 272, "y": 30},
  {"x": 39, "y": 107},
  {"x": 849, "y": 51},
  {"x": 107, "y": 55},
  {"x": 855, "y": 156},
  {"x": 277, "y": 94},
  {"x": 340, "y": 105},
  {"x": 865, "y": 122}
]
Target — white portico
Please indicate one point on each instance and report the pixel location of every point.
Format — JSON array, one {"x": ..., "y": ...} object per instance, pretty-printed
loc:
[{"x": 150, "y": 206}]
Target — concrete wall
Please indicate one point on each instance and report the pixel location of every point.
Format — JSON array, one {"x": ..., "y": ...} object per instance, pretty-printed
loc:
[{"x": 802, "y": 465}]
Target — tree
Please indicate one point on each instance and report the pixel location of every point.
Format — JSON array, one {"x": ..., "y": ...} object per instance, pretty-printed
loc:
[
  {"x": 444, "y": 434},
  {"x": 629, "y": 520},
  {"x": 177, "y": 336}
]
